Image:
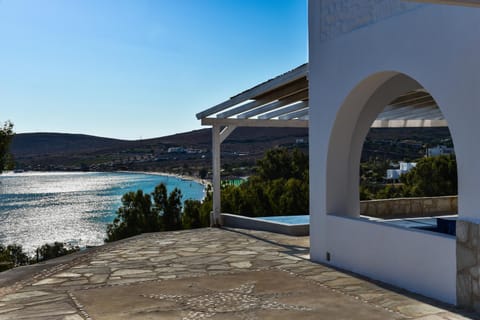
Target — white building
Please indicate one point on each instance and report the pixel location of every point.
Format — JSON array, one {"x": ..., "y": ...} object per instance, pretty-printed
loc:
[
  {"x": 439, "y": 151},
  {"x": 377, "y": 63},
  {"x": 176, "y": 150},
  {"x": 404, "y": 167},
  {"x": 364, "y": 54}
]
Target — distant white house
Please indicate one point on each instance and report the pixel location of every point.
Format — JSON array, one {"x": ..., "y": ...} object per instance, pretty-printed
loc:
[
  {"x": 394, "y": 174},
  {"x": 439, "y": 151},
  {"x": 176, "y": 150}
]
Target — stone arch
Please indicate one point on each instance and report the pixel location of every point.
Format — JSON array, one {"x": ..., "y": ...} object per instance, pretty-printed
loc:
[{"x": 352, "y": 123}]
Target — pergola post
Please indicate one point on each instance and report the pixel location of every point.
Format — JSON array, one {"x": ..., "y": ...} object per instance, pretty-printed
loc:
[
  {"x": 218, "y": 136},
  {"x": 215, "y": 217}
]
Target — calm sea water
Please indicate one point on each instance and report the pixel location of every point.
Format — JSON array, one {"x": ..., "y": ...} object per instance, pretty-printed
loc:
[{"x": 38, "y": 208}]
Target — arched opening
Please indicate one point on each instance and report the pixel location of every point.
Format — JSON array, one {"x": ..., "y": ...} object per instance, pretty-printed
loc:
[
  {"x": 408, "y": 171},
  {"x": 353, "y": 122},
  {"x": 412, "y": 259}
]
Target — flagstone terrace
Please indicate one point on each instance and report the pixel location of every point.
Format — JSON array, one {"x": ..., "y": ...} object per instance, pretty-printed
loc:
[{"x": 204, "y": 274}]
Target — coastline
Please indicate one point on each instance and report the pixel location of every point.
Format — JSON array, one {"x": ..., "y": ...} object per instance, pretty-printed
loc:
[
  {"x": 48, "y": 221},
  {"x": 203, "y": 182}
]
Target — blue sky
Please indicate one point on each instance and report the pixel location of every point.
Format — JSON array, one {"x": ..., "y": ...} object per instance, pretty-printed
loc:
[{"x": 138, "y": 68}]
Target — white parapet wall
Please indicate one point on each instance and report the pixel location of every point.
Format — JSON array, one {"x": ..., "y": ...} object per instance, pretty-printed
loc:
[{"x": 419, "y": 261}]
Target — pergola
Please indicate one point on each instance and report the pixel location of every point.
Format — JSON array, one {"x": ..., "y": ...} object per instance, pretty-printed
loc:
[{"x": 284, "y": 102}]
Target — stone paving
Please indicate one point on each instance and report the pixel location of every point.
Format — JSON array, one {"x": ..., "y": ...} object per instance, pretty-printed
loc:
[{"x": 206, "y": 274}]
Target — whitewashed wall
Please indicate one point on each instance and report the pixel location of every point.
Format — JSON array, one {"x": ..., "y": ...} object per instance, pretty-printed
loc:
[
  {"x": 351, "y": 72},
  {"x": 416, "y": 260}
]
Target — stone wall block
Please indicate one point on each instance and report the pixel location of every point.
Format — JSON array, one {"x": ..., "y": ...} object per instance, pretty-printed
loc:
[
  {"x": 464, "y": 291},
  {"x": 474, "y": 272},
  {"x": 476, "y": 305},
  {"x": 454, "y": 204},
  {"x": 428, "y": 203},
  {"x": 409, "y": 207},
  {"x": 416, "y": 207},
  {"x": 475, "y": 287},
  {"x": 473, "y": 235},
  {"x": 462, "y": 231},
  {"x": 468, "y": 265},
  {"x": 466, "y": 258},
  {"x": 363, "y": 207}
]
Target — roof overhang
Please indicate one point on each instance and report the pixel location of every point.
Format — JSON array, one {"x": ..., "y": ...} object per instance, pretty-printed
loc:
[{"x": 283, "y": 102}]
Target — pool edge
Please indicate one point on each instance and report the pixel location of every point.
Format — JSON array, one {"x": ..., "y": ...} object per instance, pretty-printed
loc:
[{"x": 242, "y": 222}]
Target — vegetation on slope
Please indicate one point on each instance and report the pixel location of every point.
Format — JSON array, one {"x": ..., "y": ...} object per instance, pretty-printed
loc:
[
  {"x": 6, "y": 135},
  {"x": 13, "y": 255},
  {"x": 433, "y": 176},
  {"x": 279, "y": 187}
]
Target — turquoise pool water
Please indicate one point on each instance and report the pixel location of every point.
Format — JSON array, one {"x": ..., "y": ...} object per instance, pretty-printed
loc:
[{"x": 293, "y": 220}]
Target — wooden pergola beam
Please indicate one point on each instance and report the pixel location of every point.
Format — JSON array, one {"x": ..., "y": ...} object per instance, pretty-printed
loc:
[
  {"x": 262, "y": 88},
  {"x": 255, "y": 123}
]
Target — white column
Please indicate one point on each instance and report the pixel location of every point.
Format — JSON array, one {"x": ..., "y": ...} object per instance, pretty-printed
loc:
[
  {"x": 214, "y": 219},
  {"x": 218, "y": 136}
]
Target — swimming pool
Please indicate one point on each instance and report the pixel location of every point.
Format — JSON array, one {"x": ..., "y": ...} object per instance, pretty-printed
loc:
[
  {"x": 292, "y": 220},
  {"x": 299, "y": 225},
  {"x": 291, "y": 225}
]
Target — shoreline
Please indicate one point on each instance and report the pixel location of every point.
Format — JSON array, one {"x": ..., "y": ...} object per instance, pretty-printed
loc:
[{"x": 203, "y": 182}]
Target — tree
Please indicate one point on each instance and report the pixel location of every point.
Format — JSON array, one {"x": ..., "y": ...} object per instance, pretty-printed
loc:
[
  {"x": 433, "y": 176},
  {"x": 6, "y": 135},
  {"x": 132, "y": 217},
  {"x": 172, "y": 215},
  {"x": 279, "y": 187},
  {"x": 203, "y": 173},
  {"x": 280, "y": 163},
  {"x": 193, "y": 216},
  {"x": 168, "y": 208},
  {"x": 12, "y": 256},
  {"x": 138, "y": 214},
  {"x": 54, "y": 250},
  {"x": 295, "y": 199}
]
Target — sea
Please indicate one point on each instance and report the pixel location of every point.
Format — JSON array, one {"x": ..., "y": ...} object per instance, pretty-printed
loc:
[{"x": 71, "y": 207}]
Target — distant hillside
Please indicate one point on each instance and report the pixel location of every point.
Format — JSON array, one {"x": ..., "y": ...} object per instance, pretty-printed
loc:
[
  {"x": 58, "y": 151},
  {"x": 34, "y": 144}
]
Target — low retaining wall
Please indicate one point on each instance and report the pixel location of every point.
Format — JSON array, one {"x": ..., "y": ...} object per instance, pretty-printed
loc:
[
  {"x": 409, "y": 207},
  {"x": 235, "y": 221}
]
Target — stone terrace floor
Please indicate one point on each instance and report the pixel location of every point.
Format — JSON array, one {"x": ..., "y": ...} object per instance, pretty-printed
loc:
[{"x": 204, "y": 274}]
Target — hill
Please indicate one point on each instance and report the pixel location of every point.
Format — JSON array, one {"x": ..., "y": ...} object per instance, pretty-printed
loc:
[
  {"x": 184, "y": 152},
  {"x": 36, "y": 144},
  {"x": 189, "y": 152}
]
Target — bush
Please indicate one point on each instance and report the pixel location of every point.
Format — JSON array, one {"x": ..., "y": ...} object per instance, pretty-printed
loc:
[
  {"x": 157, "y": 211},
  {"x": 434, "y": 176},
  {"x": 57, "y": 249},
  {"x": 12, "y": 256},
  {"x": 279, "y": 187}
]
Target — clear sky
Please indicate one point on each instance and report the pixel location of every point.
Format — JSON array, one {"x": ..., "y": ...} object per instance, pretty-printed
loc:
[{"x": 135, "y": 69}]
